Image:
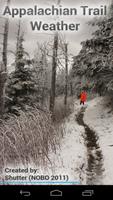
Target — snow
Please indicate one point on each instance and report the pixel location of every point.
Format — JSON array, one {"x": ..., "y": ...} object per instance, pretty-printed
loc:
[
  {"x": 99, "y": 117},
  {"x": 70, "y": 159}
]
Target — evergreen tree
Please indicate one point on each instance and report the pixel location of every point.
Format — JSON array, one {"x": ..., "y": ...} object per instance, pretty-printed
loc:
[
  {"x": 20, "y": 86},
  {"x": 94, "y": 64}
]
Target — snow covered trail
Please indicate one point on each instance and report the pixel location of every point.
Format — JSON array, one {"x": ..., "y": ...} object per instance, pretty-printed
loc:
[
  {"x": 85, "y": 152},
  {"x": 99, "y": 117},
  {"x": 71, "y": 157},
  {"x": 95, "y": 169},
  {"x": 86, "y": 149}
]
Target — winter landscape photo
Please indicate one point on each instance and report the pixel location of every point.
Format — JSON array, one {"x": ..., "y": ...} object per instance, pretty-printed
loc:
[{"x": 56, "y": 92}]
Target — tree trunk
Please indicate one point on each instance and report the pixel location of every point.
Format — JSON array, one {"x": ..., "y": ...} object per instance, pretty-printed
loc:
[
  {"x": 3, "y": 67},
  {"x": 17, "y": 44},
  {"x": 3, "y": 76},
  {"x": 66, "y": 76},
  {"x": 5, "y": 41},
  {"x": 53, "y": 79},
  {"x": 71, "y": 89}
]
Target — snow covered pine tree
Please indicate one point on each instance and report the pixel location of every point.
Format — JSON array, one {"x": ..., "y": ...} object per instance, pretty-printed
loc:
[{"x": 20, "y": 86}]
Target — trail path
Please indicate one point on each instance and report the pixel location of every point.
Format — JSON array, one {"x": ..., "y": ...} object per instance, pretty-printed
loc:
[
  {"x": 94, "y": 171},
  {"x": 86, "y": 149}
]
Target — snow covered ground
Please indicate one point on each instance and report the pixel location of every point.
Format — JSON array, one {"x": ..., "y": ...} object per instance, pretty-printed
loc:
[
  {"x": 99, "y": 117},
  {"x": 71, "y": 158}
]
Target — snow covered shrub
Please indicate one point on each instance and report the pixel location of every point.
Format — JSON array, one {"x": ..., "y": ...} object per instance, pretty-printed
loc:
[{"x": 20, "y": 90}]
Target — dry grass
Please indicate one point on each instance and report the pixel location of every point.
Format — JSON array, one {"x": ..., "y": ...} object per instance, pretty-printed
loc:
[
  {"x": 27, "y": 138},
  {"x": 61, "y": 112}
]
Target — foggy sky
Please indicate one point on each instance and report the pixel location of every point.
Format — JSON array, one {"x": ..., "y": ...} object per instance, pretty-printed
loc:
[{"x": 73, "y": 38}]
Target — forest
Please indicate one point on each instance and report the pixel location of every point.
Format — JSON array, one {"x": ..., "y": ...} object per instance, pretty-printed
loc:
[{"x": 40, "y": 93}]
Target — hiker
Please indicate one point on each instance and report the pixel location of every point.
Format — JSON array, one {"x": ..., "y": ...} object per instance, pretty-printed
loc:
[{"x": 83, "y": 97}]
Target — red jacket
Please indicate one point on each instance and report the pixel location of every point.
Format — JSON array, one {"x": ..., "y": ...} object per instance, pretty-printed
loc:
[{"x": 83, "y": 96}]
